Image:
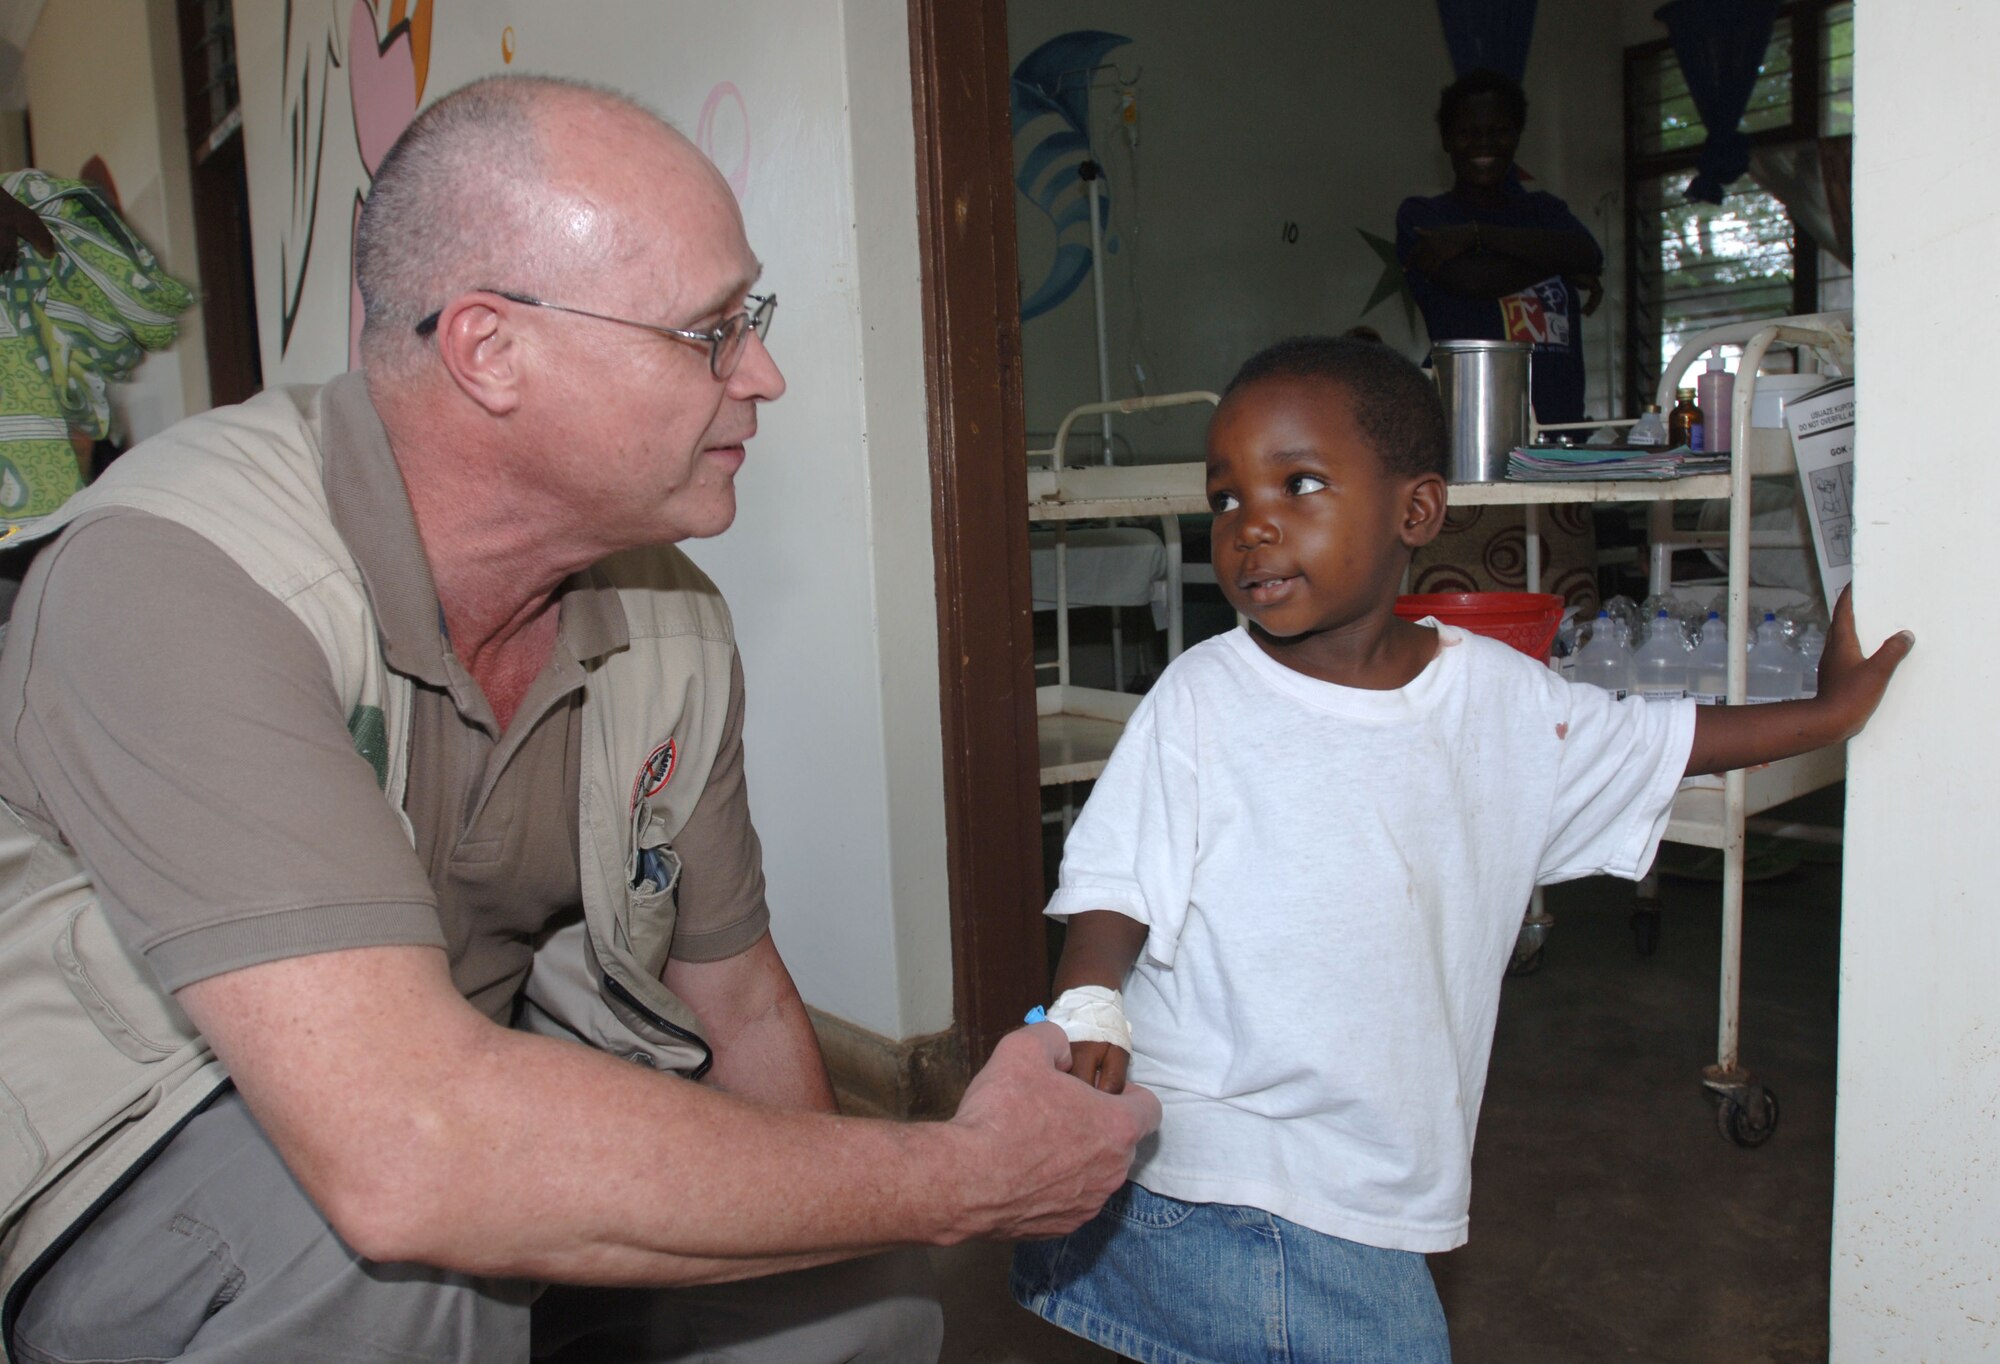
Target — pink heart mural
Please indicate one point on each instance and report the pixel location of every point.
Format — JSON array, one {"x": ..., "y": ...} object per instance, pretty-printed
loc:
[{"x": 385, "y": 82}]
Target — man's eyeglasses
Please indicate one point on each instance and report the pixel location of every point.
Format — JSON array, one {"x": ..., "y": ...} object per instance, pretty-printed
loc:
[{"x": 725, "y": 341}]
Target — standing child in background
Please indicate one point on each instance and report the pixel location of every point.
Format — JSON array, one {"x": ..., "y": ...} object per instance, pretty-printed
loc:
[{"x": 1305, "y": 866}]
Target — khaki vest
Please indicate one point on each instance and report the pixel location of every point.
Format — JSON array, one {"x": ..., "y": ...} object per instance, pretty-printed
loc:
[{"x": 99, "y": 1067}]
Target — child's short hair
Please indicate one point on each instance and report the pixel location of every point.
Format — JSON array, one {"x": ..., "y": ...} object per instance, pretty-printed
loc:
[
  {"x": 1482, "y": 82},
  {"x": 1396, "y": 405}
]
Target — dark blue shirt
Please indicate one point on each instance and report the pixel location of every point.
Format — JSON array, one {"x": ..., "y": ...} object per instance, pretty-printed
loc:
[{"x": 1548, "y": 313}]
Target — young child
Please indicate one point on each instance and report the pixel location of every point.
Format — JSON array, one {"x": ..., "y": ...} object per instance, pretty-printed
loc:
[{"x": 1305, "y": 865}]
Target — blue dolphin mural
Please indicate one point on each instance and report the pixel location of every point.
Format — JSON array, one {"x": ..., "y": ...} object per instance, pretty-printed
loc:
[{"x": 1051, "y": 125}]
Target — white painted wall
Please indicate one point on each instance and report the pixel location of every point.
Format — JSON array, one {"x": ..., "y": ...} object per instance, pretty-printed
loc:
[
  {"x": 828, "y": 568},
  {"x": 103, "y": 79},
  {"x": 1916, "y": 1236},
  {"x": 1268, "y": 111}
]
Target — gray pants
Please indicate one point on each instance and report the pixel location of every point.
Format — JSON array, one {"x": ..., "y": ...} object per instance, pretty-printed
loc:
[{"x": 215, "y": 1254}]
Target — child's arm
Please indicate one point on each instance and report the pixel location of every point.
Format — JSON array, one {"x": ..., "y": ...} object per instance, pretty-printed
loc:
[
  {"x": 1099, "y": 947},
  {"x": 1850, "y": 687}
]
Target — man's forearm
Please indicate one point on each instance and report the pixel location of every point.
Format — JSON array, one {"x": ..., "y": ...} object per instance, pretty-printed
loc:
[
  {"x": 757, "y": 1025},
  {"x": 551, "y": 1161},
  {"x": 426, "y": 1133},
  {"x": 775, "y": 1058}
]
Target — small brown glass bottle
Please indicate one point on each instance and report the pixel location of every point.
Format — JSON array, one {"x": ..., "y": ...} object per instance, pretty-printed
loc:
[{"x": 1684, "y": 424}]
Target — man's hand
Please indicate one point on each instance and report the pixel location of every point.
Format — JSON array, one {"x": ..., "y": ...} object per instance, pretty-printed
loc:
[
  {"x": 1099, "y": 1065},
  {"x": 1043, "y": 1152},
  {"x": 1436, "y": 245}
]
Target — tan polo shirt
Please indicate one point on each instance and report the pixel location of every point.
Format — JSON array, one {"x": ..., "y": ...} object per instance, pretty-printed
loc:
[{"x": 181, "y": 732}]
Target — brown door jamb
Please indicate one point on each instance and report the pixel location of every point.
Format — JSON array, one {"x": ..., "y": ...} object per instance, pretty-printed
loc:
[{"x": 979, "y": 491}]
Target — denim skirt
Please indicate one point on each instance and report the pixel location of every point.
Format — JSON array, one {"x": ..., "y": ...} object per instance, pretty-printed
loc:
[{"x": 1169, "y": 1282}]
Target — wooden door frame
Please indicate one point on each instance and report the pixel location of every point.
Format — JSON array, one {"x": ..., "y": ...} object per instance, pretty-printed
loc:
[{"x": 979, "y": 491}]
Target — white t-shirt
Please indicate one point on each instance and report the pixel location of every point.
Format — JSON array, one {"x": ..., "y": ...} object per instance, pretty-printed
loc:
[{"x": 1332, "y": 881}]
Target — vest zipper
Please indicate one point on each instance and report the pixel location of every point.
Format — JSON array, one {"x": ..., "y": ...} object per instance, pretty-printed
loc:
[{"x": 631, "y": 1001}]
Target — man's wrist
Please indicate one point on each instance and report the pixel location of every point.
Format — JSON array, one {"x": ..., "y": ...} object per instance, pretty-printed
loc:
[{"x": 946, "y": 1165}]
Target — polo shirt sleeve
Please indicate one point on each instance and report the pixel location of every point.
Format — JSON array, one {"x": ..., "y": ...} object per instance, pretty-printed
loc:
[
  {"x": 722, "y": 910},
  {"x": 182, "y": 732},
  {"x": 1445, "y": 313}
]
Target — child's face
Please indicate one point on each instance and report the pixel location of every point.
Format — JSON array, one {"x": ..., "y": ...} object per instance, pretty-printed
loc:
[{"x": 1311, "y": 533}]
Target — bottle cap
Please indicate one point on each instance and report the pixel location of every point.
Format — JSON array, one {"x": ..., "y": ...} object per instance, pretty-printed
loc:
[
  {"x": 1688, "y": 393},
  {"x": 1652, "y": 407}
]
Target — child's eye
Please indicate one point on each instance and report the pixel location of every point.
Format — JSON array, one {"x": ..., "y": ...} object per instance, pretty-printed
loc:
[
  {"x": 1222, "y": 502},
  {"x": 1304, "y": 483}
]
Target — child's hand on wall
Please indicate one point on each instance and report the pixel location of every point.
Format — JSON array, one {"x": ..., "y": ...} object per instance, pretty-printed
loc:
[
  {"x": 1851, "y": 683},
  {"x": 1850, "y": 687}
]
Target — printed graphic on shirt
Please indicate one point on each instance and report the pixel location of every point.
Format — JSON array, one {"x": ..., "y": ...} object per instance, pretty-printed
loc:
[
  {"x": 654, "y": 773},
  {"x": 1539, "y": 313},
  {"x": 369, "y": 729}
]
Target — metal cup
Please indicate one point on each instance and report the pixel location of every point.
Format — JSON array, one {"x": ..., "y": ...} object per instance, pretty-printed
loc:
[{"x": 1485, "y": 389}]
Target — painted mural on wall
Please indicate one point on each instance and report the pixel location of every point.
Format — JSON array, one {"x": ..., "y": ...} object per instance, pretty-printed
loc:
[
  {"x": 380, "y": 52},
  {"x": 385, "y": 85},
  {"x": 388, "y": 60},
  {"x": 1051, "y": 127}
]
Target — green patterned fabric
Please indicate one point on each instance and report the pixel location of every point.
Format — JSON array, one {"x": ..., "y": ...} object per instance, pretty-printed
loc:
[{"x": 68, "y": 327}]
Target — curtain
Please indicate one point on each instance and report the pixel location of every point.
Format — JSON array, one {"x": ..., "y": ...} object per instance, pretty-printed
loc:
[
  {"x": 1492, "y": 35},
  {"x": 1811, "y": 179},
  {"x": 1720, "y": 44}
]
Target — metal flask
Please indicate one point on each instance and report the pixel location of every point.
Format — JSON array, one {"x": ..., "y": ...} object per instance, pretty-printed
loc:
[{"x": 1484, "y": 385}]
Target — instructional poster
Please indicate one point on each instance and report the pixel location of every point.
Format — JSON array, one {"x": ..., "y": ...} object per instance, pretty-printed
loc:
[{"x": 1822, "y": 427}]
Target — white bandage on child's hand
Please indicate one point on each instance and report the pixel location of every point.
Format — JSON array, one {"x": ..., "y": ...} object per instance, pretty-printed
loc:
[{"x": 1092, "y": 1013}]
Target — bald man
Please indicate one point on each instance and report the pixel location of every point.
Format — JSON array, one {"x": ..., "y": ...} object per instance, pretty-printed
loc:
[{"x": 377, "y": 771}]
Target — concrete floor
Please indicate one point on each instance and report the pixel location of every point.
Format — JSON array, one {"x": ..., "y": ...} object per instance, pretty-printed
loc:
[{"x": 1610, "y": 1219}]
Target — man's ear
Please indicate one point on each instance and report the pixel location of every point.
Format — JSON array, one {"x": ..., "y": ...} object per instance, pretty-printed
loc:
[
  {"x": 1424, "y": 507},
  {"x": 481, "y": 352}
]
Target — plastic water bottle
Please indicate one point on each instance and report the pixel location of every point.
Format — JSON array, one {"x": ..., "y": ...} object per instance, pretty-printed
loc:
[
  {"x": 1604, "y": 660},
  {"x": 1660, "y": 668},
  {"x": 1773, "y": 664},
  {"x": 1708, "y": 668},
  {"x": 1812, "y": 643}
]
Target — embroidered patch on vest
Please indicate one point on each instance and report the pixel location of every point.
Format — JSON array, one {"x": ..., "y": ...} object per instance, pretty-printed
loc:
[{"x": 654, "y": 773}]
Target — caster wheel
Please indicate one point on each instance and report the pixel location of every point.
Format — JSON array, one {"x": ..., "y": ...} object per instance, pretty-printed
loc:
[
  {"x": 1525, "y": 964},
  {"x": 1751, "y": 1123},
  {"x": 1646, "y": 931}
]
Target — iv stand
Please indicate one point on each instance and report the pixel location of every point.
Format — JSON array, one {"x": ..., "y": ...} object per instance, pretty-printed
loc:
[{"x": 1090, "y": 173}]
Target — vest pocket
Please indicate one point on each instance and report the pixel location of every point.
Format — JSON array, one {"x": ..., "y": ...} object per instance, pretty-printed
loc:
[{"x": 145, "y": 1023}]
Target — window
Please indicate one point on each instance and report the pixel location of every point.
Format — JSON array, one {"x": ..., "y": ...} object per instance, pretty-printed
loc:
[{"x": 1692, "y": 267}]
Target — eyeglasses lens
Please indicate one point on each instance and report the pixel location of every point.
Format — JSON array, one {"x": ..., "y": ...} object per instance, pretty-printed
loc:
[{"x": 734, "y": 333}]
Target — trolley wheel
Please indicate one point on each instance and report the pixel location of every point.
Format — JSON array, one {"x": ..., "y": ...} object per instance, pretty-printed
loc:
[
  {"x": 1526, "y": 963},
  {"x": 1646, "y": 929},
  {"x": 1748, "y": 1121}
]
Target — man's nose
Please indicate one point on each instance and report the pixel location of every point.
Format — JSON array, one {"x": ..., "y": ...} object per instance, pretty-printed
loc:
[{"x": 757, "y": 376}]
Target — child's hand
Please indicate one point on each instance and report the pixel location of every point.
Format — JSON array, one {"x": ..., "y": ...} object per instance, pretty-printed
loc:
[
  {"x": 1851, "y": 683},
  {"x": 1850, "y": 687},
  {"x": 1099, "y": 1065}
]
